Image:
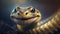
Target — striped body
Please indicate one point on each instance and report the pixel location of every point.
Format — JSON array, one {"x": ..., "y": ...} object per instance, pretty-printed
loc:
[{"x": 52, "y": 25}]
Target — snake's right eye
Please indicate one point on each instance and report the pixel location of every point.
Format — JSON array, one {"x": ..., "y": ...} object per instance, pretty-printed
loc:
[{"x": 15, "y": 11}]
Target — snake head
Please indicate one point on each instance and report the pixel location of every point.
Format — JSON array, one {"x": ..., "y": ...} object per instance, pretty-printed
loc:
[{"x": 25, "y": 15}]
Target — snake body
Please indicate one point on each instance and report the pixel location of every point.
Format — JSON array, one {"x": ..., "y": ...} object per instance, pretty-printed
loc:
[{"x": 49, "y": 27}]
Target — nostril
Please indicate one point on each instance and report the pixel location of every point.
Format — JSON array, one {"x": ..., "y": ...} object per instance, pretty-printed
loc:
[
  {"x": 26, "y": 13},
  {"x": 38, "y": 15},
  {"x": 18, "y": 13}
]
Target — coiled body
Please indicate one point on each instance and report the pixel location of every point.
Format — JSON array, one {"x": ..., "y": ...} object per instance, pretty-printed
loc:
[{"x": 49, "y": 27}]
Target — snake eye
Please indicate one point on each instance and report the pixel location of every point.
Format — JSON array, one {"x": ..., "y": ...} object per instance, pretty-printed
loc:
[
  {"x": 33, "y": 10},
  {"x": 14, "y": 11}
]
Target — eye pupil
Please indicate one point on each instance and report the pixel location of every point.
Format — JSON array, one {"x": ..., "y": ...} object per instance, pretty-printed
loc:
[{"x": 18, "y": 14}]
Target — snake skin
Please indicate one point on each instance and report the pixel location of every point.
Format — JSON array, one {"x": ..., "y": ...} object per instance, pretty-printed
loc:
[{"x": 49, "y": 27}]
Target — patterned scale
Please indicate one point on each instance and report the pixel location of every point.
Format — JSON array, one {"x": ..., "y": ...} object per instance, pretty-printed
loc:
[{"x": 48, "y": 28}]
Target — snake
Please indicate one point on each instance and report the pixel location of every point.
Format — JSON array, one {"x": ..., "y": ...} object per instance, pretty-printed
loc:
[{"x": 28, "y": 20}]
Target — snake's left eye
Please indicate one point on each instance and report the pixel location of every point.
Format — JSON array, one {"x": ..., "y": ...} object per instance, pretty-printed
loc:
[{"x": 33, "y": 10}]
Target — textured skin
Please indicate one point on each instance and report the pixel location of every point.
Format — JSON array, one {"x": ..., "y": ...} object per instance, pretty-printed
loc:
[
  {"x": 48, "y": 27},
  {"x": 25, "y": 17}
]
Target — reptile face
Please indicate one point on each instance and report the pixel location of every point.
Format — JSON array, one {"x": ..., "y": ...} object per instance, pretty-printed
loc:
[{"x": 25, "y": 15}]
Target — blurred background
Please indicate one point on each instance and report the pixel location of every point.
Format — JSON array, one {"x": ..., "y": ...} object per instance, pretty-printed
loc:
[{"x": 46, "y": 7}]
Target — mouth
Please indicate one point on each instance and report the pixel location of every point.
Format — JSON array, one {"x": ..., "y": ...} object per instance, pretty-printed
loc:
[{"x": 24, "y": 18}]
